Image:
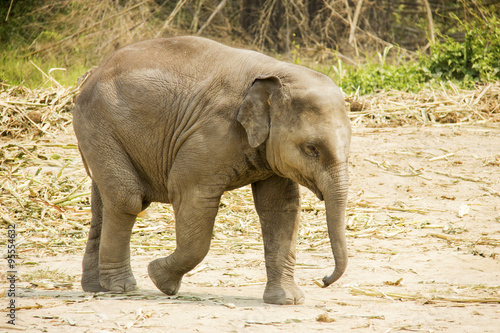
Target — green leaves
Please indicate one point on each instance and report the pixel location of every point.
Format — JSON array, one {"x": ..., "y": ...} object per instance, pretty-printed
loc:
[
  {"x": 476, "y": 59},
  {"x": 371, "y": 77}
]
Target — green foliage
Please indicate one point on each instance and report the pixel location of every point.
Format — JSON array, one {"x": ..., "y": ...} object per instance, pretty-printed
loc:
[
  {"x": 38, "y": 22},
  {"x": 476, "y": 59},
  {"x": 373, "y": 76},
  {"x": 370, "y": 78},
  {"x": 16, "y": 69}
]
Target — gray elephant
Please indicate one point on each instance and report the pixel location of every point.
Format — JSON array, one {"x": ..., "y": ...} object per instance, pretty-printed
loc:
[{"x": 182, "y": 120}]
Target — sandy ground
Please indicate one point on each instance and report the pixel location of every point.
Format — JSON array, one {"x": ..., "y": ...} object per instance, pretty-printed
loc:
[{"x": 423, "y": 236}]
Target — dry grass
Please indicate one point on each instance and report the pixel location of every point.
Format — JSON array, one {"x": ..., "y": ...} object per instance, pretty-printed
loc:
[
  {"x": 269, "y": 24},
  {"x": 103, "y": 25}
]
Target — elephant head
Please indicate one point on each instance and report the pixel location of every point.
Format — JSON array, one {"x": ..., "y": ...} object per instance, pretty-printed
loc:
[{"x": 306, "y": 131}]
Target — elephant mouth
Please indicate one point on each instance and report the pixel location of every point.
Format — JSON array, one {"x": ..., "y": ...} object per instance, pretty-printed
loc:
[
  {"x": 318, "y": 193},
  {"x": 312, "y": 187}
]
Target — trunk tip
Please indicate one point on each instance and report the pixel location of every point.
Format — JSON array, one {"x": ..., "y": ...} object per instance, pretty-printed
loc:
[{"x": 329, "y": 279}]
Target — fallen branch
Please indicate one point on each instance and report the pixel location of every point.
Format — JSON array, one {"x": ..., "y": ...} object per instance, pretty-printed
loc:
[
  {"x": 469, "y": 179},
  {"x": 480, "y": 241}
]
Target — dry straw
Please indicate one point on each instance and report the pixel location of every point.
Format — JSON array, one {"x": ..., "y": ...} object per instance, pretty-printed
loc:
[
  {"x": 27, "y": 113},
  {"x": 448, "y": 105}
]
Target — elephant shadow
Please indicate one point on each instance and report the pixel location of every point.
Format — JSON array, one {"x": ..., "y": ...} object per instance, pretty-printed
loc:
[{"x": 205, "y": 299}]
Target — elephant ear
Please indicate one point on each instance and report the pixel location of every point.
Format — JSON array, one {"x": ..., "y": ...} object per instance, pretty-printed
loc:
[{"x": 254, "y": 111}]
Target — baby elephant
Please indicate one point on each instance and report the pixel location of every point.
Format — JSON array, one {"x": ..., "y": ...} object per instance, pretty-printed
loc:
[{"x": 182, "y": 120}]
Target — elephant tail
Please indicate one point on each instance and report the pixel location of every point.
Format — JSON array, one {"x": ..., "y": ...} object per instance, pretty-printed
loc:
[
  {"x": 87, "y": 169},
  {"x": 81, "y": 80}
]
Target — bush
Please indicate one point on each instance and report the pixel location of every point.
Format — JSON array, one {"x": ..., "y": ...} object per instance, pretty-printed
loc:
[
  {"x": 474, "y": 60},
  {"x": 477, "y": 59},
  {"x": 370, "y": 78},
  {"x": 373, "y": 76}
]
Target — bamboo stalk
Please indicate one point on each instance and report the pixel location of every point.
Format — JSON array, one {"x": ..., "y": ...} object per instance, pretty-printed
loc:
[
  {"x": 469, "y": 179},
  {"x": 8, "y": 11},
  {"x": 217, "y": 9},
  {"x": 354, "y": 24},
  {"x": 378, "y": 293},
  {"x": 79, "y": 32},
  {"x": 431, "y": 21},
  {"x": 468, "y": 299},
  {"x": 442, "y": 157},
  {"x": 172, "y": 15},
  {"x": 392, "y": 296}
]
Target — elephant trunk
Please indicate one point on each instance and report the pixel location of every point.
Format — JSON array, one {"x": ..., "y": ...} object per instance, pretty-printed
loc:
[{"x": 335, "y": 196}]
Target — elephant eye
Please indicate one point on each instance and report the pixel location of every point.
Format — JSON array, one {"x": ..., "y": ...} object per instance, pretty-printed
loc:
[{"x": 311, "y": 150}]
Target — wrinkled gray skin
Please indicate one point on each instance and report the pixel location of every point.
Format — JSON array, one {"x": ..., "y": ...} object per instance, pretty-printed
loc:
[{"x": 180, "y": 121}]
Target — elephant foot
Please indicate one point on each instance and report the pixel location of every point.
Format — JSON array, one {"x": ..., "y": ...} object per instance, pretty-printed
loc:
[
  {"x": 90, "y": 280},
  {"x": 92, "y": 285},
  {"x": 164, "y": 280},
  {"x": 117, "y": 277},
  {"x": 288, "y": 294}
]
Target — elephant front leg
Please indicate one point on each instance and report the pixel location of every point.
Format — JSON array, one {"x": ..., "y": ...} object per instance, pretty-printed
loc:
[
  {"x": 277, "y": 201},
  {"x": 193, "y": 227}
]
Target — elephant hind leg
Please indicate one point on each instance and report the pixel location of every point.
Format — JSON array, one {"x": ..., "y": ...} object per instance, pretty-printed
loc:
[
  {"x": 115, "y": 272},
  {"x": 90, "y": 276},
  {"x": 118, "y": 195},
  {"x": 106, "y": 263}
]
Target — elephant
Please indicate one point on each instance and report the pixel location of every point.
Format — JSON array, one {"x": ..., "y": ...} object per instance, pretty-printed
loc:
[{"x": 181, "y": 120}]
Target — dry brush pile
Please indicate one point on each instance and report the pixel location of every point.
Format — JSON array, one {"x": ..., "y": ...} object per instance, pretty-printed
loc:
[{"x": 448, "y": 105}]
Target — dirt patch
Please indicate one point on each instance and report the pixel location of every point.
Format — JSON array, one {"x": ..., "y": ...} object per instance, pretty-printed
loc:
[{"x": 423, "y": 235}]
